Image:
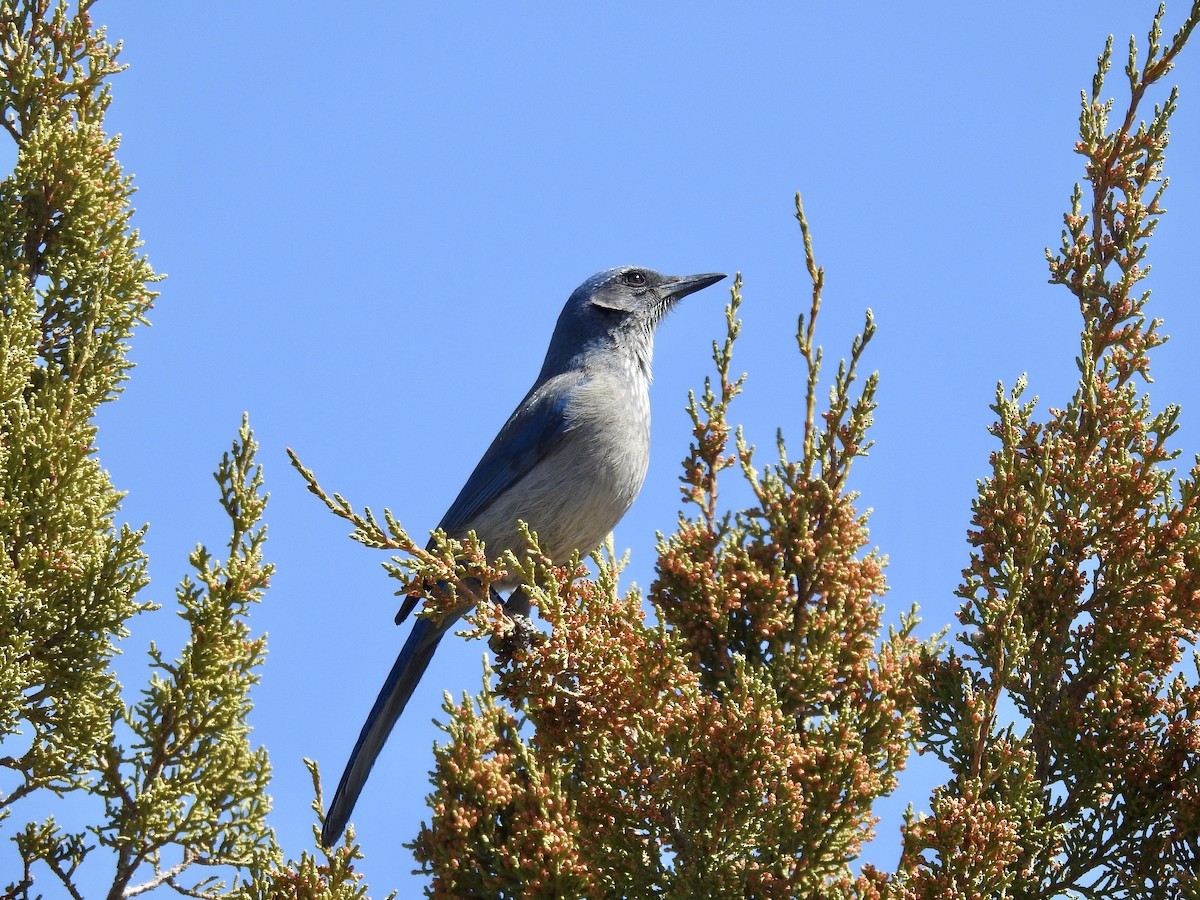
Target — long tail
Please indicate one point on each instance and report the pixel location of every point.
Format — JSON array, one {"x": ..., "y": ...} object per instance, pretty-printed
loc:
[{"x": 410, "y": 665}]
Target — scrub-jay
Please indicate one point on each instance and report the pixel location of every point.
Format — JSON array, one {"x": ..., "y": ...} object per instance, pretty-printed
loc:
[{"x": 568, "y": 462}]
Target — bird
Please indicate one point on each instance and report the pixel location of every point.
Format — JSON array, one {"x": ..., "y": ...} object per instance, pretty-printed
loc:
[{"x": 568, "y": 462}]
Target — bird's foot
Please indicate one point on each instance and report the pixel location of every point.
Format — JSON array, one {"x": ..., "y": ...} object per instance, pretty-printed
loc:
[{"x": 517, "y": 636}]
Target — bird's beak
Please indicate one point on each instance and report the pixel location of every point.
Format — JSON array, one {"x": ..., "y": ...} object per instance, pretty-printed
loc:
[{"x": 678, "y": 286}]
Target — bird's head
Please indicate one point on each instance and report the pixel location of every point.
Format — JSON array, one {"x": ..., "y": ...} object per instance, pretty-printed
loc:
[{"x": 616, "y": 311}]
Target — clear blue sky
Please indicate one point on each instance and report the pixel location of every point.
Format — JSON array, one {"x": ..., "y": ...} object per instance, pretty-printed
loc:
[{"x": 371, "y": 218}]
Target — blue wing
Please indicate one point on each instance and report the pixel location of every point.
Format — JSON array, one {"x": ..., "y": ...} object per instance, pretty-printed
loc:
[
  {"x": 537, "y": 424},
  {"x": 535, "y": 427}
]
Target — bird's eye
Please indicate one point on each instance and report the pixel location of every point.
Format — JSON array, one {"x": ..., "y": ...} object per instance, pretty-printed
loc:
[{"x": 633, "y": 279}]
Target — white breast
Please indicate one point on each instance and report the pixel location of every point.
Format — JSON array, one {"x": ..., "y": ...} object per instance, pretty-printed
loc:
[{"x": 577, "y": 493}]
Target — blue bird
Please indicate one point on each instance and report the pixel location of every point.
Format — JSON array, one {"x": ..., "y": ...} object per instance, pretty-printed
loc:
[{"x": 568, "y": 462}]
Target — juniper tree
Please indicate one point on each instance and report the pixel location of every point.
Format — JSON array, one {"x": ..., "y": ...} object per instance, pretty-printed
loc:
[
  {"x": 1082, "y": 593},
  {"x": 173, "y": 783}
]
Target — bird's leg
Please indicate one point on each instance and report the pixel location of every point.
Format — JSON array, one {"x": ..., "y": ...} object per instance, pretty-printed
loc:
[
  {"x": 520, "y": 612},
  {"x": 518, "y": 604}
]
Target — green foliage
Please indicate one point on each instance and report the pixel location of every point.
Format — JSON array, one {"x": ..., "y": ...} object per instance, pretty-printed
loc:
[
  {"x": 1082, "y": 590},
  {"x": 70, "y": 577},
  {"x": 307, "y": 878},
  {"x": 174, "y": 780},
  {"x": 191, "y": 782},
  {"x": 778, "y": 595}
]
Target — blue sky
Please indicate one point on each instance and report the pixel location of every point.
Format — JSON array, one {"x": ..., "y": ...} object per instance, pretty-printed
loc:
[{"x": 370, "y": 221}]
